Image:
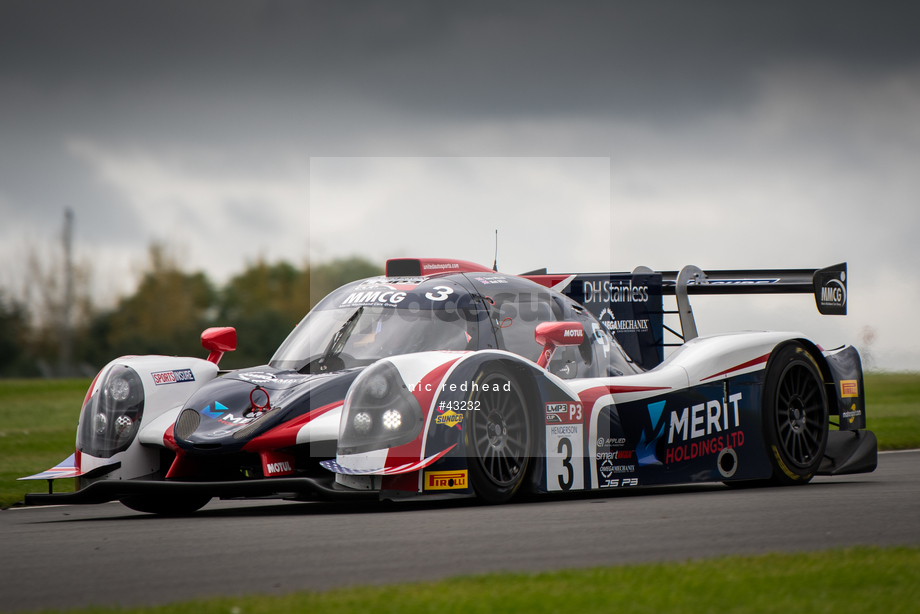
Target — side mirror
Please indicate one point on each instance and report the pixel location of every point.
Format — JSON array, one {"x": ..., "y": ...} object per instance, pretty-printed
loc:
[
  {"x": 557, "y": 334},
  {"x": 218, "y": 341}
]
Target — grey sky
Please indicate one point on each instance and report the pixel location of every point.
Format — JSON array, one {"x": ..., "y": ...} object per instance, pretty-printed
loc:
[{"x": 591, "y": 134}]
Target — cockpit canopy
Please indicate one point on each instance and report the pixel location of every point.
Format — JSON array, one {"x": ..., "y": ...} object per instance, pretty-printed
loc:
[{"x": 366, "y": 321}]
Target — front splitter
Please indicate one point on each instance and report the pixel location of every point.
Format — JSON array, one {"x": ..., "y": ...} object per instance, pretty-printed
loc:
[{"x": 307, "y": 489}]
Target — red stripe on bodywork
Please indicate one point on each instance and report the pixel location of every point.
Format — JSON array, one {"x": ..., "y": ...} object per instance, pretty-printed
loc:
[
  {"x": 547, "y": 280},
  {"x": 412, "y": 451},
  {"x": 169, "y": 438},
  {"x": 591, "y": 395},
  {"x": 744, "y": 365},
  {"x": 181, "y": 466},
  {"x": 285, "y": 435},
  {"x": 89, "y": 392}
]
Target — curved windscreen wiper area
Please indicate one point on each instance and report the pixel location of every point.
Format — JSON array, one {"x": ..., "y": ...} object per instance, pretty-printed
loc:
[{"x": 335, "y": 339}]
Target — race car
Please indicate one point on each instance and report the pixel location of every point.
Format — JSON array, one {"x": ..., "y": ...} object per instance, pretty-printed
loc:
[{"x": 445, "y": 378}]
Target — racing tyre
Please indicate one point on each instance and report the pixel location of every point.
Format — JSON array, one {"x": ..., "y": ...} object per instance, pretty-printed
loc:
[
  {"x": 498, "y": 439},
  {"x": 164, "y": 506},
  {"x": 794, "y": 415}
]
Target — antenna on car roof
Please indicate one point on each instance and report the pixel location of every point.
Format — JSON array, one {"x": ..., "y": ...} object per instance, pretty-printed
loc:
[{"x": 495, "y": 262}]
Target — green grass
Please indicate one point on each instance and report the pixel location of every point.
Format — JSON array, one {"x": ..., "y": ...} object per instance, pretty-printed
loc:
[
  {"x": 854, "y": 581},
  {"x": 38, "y": 427},
  {"x": 893, "y": 409},
  {"x": 38, "y": 420}
]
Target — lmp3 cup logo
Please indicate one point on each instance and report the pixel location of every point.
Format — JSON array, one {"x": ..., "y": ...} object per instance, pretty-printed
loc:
[
  {"x": 445, "y": 480},
  {"x": 563, "y": 413},
  {"x": 173, "y": 377}
]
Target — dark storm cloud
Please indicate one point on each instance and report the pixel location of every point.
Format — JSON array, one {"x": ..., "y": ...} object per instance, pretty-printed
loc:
[
  {"x": 445, "y": 58},
  {"x": 784, "y": 134}
]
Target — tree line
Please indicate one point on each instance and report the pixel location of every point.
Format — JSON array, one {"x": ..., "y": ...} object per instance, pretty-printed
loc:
[{"x": 167, "y": 312}]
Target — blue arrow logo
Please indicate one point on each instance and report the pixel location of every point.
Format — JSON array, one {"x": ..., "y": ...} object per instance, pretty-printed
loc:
[
  {"x": 645, "y": 449},
  {"x": 219, "y": 409}
]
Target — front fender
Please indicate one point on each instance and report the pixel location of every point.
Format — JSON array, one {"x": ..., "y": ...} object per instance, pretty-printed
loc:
[
  {"x": 442, "y": 382},
  {"x": 167, "y": 381}
]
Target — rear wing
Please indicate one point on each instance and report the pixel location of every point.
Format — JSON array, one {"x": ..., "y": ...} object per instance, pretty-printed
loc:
[{"x": 630, "y": 305}]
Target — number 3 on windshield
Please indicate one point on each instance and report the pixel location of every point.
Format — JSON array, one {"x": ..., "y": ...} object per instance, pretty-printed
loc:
[{"x": 442, "y": 293}]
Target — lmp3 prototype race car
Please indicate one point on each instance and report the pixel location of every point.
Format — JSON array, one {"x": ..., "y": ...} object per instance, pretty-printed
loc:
[{"x": 446, "y": 378}]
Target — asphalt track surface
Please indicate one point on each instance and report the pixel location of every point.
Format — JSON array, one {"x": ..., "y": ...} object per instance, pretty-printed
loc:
[{"x": 69, "y": 556}]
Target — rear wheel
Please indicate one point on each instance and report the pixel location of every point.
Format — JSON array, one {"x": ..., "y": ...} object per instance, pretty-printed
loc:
[
  {"x": 166, "y": 506},
  {"x": 498, "y": 439},
  {"x": 795, "y": 415}
]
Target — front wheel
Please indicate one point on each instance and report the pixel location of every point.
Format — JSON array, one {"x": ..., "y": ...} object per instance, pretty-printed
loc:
[
  {"x": 795, "y": 415},
  {"x": 498, "y": 439}
]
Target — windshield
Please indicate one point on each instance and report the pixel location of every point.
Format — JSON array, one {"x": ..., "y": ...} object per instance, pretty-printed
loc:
[{"x": 331, "y": 339}]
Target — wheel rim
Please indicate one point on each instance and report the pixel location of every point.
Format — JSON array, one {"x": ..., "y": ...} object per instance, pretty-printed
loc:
[
  {"x": 500, "y": 430},
  {"x": 800, "y": 415}
]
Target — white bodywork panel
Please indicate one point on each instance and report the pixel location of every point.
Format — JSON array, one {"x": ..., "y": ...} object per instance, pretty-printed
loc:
[
  {"x": 324, "y": 428},
  {"x": 162, "y": 403}
]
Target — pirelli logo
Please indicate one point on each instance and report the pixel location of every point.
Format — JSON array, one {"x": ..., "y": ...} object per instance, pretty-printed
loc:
[
  {"x": 849, "y": 388},
  {"x": 445, "y": 480}
]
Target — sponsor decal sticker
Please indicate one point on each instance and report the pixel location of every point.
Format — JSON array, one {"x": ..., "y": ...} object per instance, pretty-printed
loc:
[
  {"x": 834, "y": 292},
  {"x": 263, "y": 377},
  {"x": 449, "y": 418},
  {"x": 222, "y": 415},
  {"x": 217, "y": 412},
  {"x": 615, "y": 455},
  {"x": 173, "y": 377},
  {"x": 614, "y": 326},
  {"x": 276, "y": 463},
  {"x": 849, "y": 388},
  {"x": 564, "y": 456},
  {"x": 491, "y": 280},
  {"x": 279, "y": 468},
  {"x": 446, "y": 480},
  {"x": 614, "y": 292},
  {"x": 734, "y": 282},
  {"x": 385, "y": 298},
  {"x": 615, "y": 482},
  {"x": 563, "y": 413},
  {"x": 698, "y": 430},
  {"x": 852, "y": 414},
  {"x": 607, "y": 469}
]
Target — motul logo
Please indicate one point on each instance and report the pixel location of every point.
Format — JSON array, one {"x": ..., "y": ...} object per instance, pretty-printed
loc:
[
  {"x": 572, "y": 333},
  {"x": 282, "y": 467}
]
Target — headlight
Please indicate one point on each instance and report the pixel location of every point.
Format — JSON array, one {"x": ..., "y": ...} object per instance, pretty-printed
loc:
[
  {"x": 377, "y": 386},
  {"x": 111, "y": 417},
  {"x": 119, "y": 389},
  {"x": 363, "y": 423},
  {"x": 392, "y": 419},
  {"x": 380, "y": 412}
]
